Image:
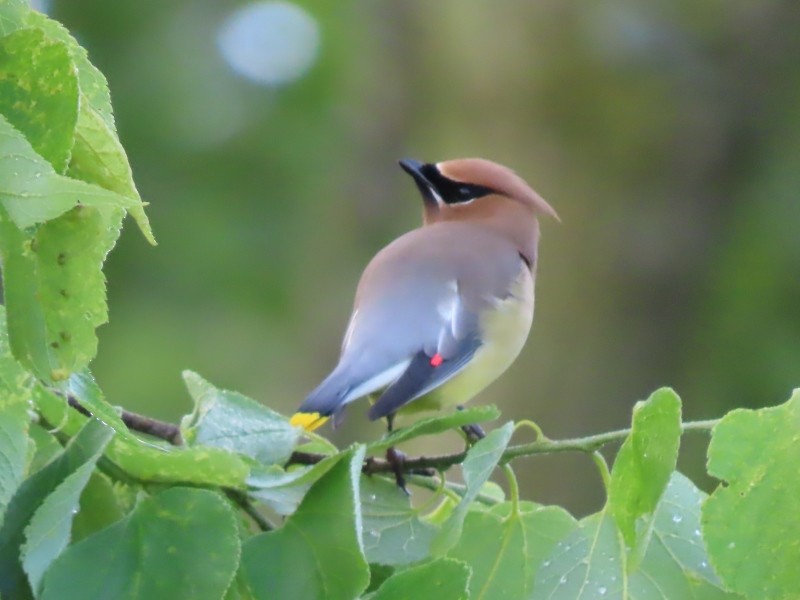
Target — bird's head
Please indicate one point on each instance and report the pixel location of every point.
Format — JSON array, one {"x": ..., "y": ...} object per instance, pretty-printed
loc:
[{"x": 448, "y": 187}]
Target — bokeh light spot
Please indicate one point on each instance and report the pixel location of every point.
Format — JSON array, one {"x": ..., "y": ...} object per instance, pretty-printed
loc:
[{"x": 269, "y": 43}]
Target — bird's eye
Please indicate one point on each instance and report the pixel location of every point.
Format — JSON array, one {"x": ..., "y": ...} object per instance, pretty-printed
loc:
[{"x": 464, "y": 191}]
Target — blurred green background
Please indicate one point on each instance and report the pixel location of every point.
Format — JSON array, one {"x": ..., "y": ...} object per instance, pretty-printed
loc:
[{"x": 667, "y": 136}]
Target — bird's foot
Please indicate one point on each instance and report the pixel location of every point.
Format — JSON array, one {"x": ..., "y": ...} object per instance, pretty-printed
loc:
[
  {"x": 397, "y": 460},
  {"x": 474, "y": 432}
]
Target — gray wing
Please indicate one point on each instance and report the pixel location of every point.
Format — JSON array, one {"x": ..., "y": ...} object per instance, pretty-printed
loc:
[{"x": 413, "y": 305}]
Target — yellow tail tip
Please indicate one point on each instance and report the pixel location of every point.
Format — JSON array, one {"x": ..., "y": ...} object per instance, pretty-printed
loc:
[{"x": 308, "y": 421}]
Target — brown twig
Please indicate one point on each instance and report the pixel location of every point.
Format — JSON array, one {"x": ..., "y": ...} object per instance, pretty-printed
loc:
[
  {"x": 136, "y": 422},
  {"x": 420, "y": 465}
]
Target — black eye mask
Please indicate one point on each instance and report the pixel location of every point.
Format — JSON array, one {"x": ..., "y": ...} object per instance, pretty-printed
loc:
[{"x": 453, "y": 192}]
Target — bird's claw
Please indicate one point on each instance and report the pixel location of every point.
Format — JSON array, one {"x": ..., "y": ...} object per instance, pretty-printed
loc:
[{"x": 397, "y": 460}]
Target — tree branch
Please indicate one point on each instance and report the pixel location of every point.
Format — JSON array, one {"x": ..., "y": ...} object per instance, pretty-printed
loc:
[
  {"x": 136, "y": 422},
  {"x": 420, "y": 465}
]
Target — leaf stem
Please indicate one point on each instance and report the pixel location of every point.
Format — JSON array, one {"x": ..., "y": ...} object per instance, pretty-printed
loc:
[
  {"x": 242, "y": 501},
  {"x": 513, "y": 487}
]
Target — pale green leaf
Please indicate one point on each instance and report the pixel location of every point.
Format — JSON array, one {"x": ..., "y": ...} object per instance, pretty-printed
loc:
[
  {"x": 92, "y": 83},
  {"x": 494, "y": 549},
  {"x": 39, "y": 93},
  {"x": 645, "y": 461},
  {"x": 284, "y": 489},
  {"x": 148, "y": 461},
  {"x": 440, "y": 579},
  {"x": 180, "y": 543},
  {"x": 12, "y": 15},
  {"x": 99, "y": 158},
  {"x": 48, "y": 532},
  {"x": 393, "y": 533},
  {"x": 32, "y": 192},
  {"x": 481, "y": 460},
  {"x": 317, "y": 554},
  {"x": 434, "y": 425},
  {"x": 589, "y": 563},
  {"x": 234, "y": 422},
  {"x": 30, "y": 495},
  {"x": 750, "y": 522},
  {"x": 676, "y": 564},
  {"x": 15, "y": 393}
]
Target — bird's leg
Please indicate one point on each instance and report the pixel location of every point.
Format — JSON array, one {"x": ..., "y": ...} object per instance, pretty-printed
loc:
[
  {"x": 474, "y": 432},
  {"x": 396, "y": 459}
]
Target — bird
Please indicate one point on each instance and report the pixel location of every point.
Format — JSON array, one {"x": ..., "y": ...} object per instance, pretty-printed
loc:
[{"x": 446, "y": 308}]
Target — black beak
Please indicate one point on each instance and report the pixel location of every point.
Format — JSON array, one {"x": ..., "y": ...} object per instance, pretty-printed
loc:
[{"x": 415, "y": 169}]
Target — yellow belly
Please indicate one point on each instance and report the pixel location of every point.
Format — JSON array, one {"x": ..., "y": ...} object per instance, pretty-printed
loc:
[{"x": 503, "y": 331}]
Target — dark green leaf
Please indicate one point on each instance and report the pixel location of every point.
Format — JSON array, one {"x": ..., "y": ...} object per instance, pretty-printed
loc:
[
  {"x": 481, "y": 460},
  {"x": 434, "y": 425},
  {"x": 84, "y": 447},
  {"x": 181, "y": 543},
  {"x": 440, "y": 579},
  {"x": 99, "y": 507},
  {"x": 317, "y": 554},
  {"x": 39, "y": 93},
  {"x": 645, "y": 461},
  {"x": 393, "y": 533},
  {"x": 234, "y": 422},
  {"x": 751, "y": 523}
]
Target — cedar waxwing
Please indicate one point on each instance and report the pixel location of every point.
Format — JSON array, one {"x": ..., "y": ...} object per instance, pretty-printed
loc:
[{"x": 443, "y": 310}]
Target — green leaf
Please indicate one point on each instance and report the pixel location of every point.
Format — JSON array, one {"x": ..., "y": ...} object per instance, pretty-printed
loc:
[
  {"x": 645, "y": 461},
  {"x": 55, "y": 292},
  {"x": 39, "y": 93},
  {"x": 84, "y": 447},
  {"x": 544, "y": 526},
  {"x": 481, "y": 460},
  {"x": 234, "y": 422},
  {"x": 676, "y": 564},
  {"x": 32, "y": 192},
  {"x": 15, "y": 392},
  {"x": 284, "y": 490},
  {"x": 591, "y": 561},
  {"x": 750, "y": 522},
  {"x": 434, "y": 425},
  {"x": 444, "y": 578},
  {"x": 98, "y": 157},
  {"x": 317, "y": 553},
  {"x": 494, "y": 548},
  {"x": 149, "y": 461},
  {"x": 48, "y": 532},
  {"x": 587, "y": 564},
  {"x": 12, "y": 15},
  {"x": 99, "y": 507},
  {"x": 393, "y": 533},
  {"x": 92, "y": 83},
  {"x": 47, "y": 448},
  {"x": 180, "y": 543}
]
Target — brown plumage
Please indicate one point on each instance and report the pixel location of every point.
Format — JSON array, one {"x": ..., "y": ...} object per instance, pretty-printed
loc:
[{"x": 443, "y": 310}]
